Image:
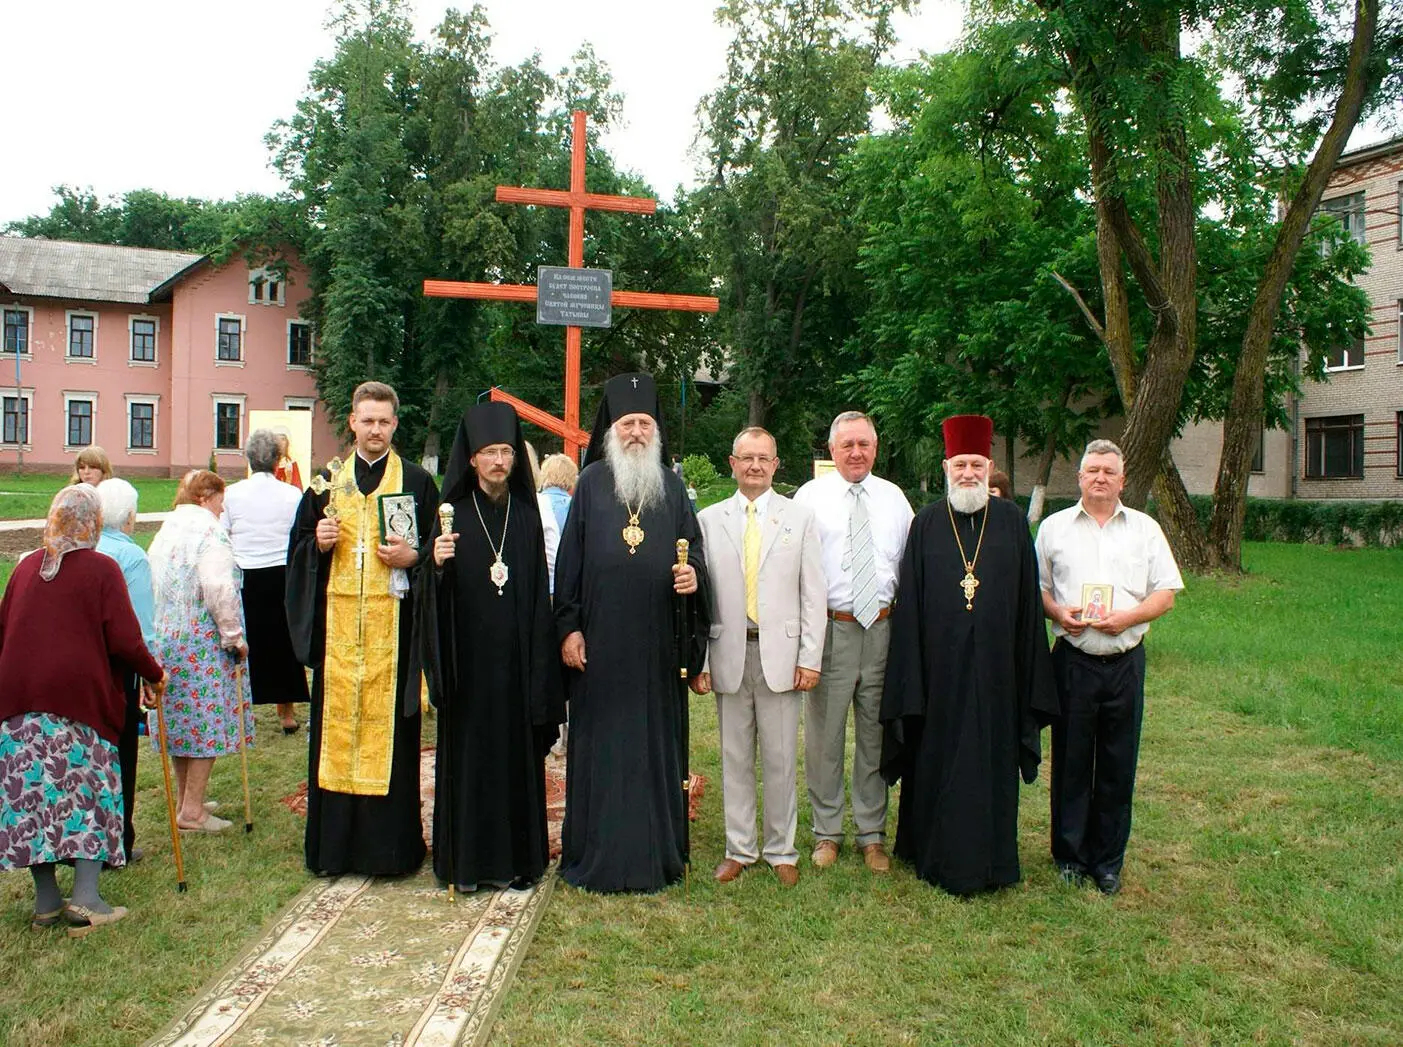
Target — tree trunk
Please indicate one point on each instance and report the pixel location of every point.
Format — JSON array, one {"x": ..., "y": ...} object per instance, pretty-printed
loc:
[
  {"x": 432, "y": 441},
  {"x": 758, "y": 408},
  {"x": 1180, "y": 522},
  {"x": 1039, "y": 495},
  {"x": 1246, "y": 407}
]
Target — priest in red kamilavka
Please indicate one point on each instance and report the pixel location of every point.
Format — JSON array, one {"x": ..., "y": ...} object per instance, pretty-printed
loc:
[{"x": 969, "y": 681}]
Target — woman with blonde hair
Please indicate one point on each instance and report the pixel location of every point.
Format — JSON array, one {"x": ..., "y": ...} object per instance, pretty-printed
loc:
[
  {"x": 67, "y": 635},
  {"x": 200, "y": 635},
  {"x": 91, "y": 467}
]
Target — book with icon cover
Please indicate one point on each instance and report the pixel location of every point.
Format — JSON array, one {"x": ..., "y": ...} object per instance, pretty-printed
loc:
[{"x": 397, "y": 516}]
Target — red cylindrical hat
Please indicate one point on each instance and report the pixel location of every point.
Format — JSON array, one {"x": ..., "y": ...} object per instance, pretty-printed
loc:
[{"x": 969, "y": 434}]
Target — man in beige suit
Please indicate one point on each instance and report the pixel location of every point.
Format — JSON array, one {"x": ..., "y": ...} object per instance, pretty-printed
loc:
[{"x": 766, "y": 646}]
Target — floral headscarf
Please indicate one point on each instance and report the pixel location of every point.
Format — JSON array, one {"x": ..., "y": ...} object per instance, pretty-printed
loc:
[{"x": 75, "y": 522}]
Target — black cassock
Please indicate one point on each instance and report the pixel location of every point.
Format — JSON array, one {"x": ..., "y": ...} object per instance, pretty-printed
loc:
[
  {"x": 625, "y": 827},
  {"x": 371, "y": 835},
  {"x": 495, "y": 676},
  {"x": 965, "y": 696}
]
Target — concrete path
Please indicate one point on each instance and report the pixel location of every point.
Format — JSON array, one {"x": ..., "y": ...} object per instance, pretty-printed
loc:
[{"x": 38, "y": 525}]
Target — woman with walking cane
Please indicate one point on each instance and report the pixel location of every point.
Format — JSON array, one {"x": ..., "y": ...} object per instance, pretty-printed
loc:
[{"x": 200, "y": 636}]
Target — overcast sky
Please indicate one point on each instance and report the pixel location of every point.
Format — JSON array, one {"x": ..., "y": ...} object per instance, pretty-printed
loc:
[{"x": 177, "y": 95}]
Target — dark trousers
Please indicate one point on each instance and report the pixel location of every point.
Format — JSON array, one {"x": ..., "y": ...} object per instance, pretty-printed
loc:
[
  {"x": 1095, "y": 746},
  {"x": 126, "y": 757}
]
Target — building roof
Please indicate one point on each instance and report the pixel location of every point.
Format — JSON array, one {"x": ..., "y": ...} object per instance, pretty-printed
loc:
[
  {"x": 90, "y": 272},
  {"x": 1365, "y": 152}
]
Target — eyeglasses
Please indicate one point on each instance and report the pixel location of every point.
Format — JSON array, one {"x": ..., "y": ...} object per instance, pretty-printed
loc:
[
  {"x": 499, "y": 454},
  {"x": 753, "y": 459}
]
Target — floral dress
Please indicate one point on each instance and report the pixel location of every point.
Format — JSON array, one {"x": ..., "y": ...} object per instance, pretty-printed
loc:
[{"x": 198, "y": 612}]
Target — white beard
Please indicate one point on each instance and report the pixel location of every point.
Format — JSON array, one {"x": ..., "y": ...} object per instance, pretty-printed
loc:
[
  {"x": 638, "y": 471},
  {"x": 968, "y": 499}
]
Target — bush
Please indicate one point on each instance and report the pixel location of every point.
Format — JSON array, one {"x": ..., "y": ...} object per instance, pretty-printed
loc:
[{"x": 698, "y": 471}]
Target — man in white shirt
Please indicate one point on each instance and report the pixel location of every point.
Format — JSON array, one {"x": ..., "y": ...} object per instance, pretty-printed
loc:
[
  {"x": 862, "y": 522},
  {"x": 1099, "y": 552},
  {"x": 766, "y": 646},
  {"x": 258, "y": 513}
]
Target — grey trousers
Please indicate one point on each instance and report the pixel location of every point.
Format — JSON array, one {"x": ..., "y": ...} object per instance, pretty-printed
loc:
[
  {"x": 854, "y": 665},
  {"x": 773, "y": 716}
]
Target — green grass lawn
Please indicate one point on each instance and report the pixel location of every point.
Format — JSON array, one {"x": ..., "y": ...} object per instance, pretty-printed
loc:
[
  {"x": 27, "y": 497},
  {"x": 1262, "y": 900}
]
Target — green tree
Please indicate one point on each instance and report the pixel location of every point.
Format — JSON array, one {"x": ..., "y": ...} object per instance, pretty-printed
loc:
[{"x": 774, "y": 211}]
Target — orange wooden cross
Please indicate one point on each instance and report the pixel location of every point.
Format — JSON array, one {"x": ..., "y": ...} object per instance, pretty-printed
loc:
[{"x": 578, "y": 201}]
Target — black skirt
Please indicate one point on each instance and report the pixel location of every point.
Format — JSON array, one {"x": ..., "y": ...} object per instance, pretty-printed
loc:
[{"x": 273, "y": 670}]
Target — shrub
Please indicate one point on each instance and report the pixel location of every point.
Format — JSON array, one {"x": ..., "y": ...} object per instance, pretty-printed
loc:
[{"x": 698, "y": 471}]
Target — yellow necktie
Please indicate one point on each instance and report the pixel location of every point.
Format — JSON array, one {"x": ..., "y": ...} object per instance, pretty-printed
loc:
[{"x": 752, "y": 564}]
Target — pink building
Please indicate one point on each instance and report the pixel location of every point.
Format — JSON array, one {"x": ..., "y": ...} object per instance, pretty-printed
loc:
[{"x": 158, "y": 356}]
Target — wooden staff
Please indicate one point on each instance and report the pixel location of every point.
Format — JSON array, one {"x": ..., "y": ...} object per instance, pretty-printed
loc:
[
  {"x": 170, "y": 793},
  {"x": 443, "y": 756},
  {"x": 684, "y": 650},
  {"x": 243, "y": 741}
]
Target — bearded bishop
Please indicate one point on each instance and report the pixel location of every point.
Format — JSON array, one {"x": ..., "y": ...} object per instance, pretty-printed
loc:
[
  {"x": 617, "y": 586},
  {"x": 969, "y": 681}
]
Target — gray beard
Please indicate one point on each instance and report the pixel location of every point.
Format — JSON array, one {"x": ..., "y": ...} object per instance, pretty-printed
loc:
[
  {"x": 638, "y": 471},
  {"x": 968, "y": 499}
]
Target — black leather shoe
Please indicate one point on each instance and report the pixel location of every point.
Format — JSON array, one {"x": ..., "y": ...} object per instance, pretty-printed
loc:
[
  {"x": 1108, "y": 883},
  {"x": 1071, "y": 873}
]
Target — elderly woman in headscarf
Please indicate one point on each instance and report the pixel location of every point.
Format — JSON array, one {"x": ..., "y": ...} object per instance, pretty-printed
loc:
[
  {"x": 200, "y": 637},
  {"x": 258, "y": 513},
  {"x": 67, "y": 635}
]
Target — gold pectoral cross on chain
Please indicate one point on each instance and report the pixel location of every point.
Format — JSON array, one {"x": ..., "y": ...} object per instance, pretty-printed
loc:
[{"x": 969, "y": 583}]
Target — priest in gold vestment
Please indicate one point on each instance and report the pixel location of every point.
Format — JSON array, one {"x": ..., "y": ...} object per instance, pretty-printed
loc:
[{"x": 361, "y": 531}]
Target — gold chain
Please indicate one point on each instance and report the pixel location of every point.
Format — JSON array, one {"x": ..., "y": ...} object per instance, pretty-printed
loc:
[{"x": 969, "y": 583}]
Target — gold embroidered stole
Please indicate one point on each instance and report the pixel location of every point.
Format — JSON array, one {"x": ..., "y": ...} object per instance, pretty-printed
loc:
[{"x": 359, "y": 705}]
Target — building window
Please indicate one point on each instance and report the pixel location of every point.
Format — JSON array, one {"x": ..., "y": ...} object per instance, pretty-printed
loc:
[
  {"x": 143, "y": 340},
  {"x": 266, "y": 287},
  {"x": 80, "y": 422},
  {"x": 141, "y": 425},
  {"x": 82, "y": 327},
  {"x": 1345, "y": 357},
  {"x": 1350, "y": 211},
  {"x": 14, "y": 419},
  {"x": 226, "y": 425},
  {"x": 1335, "y": 447},
  {"x": 17, "y": 331},
  {"x": 230, "y": 345},
  {"x": 299, "y": 403},
  {"x": 299, "y": 344},
  {"x": 1259, "y": 449}
]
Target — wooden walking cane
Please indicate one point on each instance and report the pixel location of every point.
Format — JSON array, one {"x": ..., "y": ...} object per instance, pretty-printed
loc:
[
  {"x": 243, "y": 743},
  {"x": 684, "y": 648},
  {"x": 170, "y": 793}
]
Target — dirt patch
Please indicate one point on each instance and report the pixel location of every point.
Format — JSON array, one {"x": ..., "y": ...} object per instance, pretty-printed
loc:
[{"x": 14, "y": 544}]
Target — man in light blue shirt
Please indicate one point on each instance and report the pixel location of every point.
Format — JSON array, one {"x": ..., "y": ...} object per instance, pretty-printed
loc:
[{"x": 118, "y": 521}]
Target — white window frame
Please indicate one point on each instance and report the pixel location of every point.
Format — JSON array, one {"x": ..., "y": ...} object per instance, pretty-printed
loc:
[
  {"x": 311, "y": 345},
  {"x": 228, "y": 398},
  {"x": 1350, "y": 351},
  {"x": 1400, "y": 307},
  {"x": 15, "y": 307},
  {"x": 131, "y": 339},
  {"x": 267, "y": 276},
  {"x": 299, "y": 403},
  {"x": 26, "y": 394},
  {"x": 68, "y": 357},
  {"x": 243, "y": 339},
  {"x": 82, "y": 396},
  {"x": 154, "y": 400}
]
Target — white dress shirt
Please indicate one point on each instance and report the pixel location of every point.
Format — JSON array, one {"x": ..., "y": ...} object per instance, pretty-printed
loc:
[
  {"x": 762, "y": 503},
  {"x": 1129, "y": 553},
  {"x": 258, "y": 513},
  {"x": 890, "y": 514}
]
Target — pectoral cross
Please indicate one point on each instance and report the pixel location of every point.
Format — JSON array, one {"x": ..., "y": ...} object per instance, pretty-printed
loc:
[
  {"x": 635, "y": 383},
  {"x": 969, "y": 583},
  {"x": 360, "y": 550}
]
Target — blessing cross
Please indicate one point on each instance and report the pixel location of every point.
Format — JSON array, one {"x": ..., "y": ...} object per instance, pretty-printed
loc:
[{"x": 578, "y": 201}]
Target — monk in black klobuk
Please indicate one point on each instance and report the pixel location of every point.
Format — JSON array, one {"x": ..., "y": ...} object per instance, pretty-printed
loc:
[
  {"x": 968, "y": 681},
  {"x": 616, "y": 585},
  {"x": 492, "y": 660}
]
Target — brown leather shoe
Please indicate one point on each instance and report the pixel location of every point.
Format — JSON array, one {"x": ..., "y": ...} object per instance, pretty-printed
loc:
[
  {"x": 875, "y": 855},
  {"x": 825, "y": 854},
  {"x": 788, "y": 875},
  {"x": 728, "y": 870}
]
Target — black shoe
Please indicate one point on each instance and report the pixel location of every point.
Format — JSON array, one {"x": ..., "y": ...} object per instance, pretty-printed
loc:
[
  {"x": 1071, "y": 873},
  {"x": 1108, "y": 883},
  {"x": 293, "y": 729}
]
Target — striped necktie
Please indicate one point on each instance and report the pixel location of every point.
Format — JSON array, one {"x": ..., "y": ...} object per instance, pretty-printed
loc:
[
  {"x": 752, "y": 564},
  {"x": 861, "y": 561}
]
